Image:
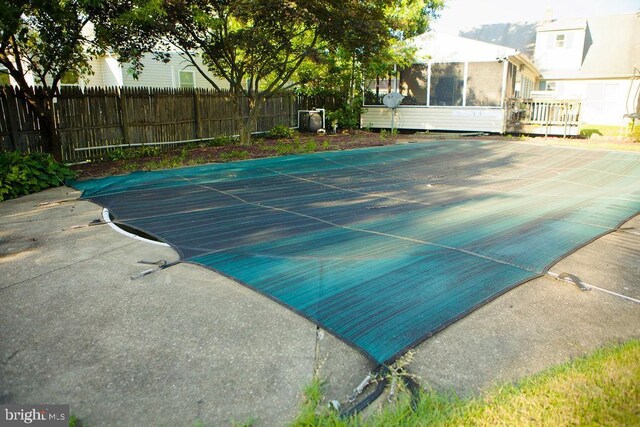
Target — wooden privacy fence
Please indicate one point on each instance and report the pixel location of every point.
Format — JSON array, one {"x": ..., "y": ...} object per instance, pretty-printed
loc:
[{"x": 94, "y": 120}]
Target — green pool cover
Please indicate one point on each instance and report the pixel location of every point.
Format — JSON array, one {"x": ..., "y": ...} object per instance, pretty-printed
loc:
[{"x": 383, "y": 246}]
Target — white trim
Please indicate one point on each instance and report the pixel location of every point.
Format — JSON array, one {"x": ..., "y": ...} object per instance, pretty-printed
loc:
[
  {"x": 505, "y": 70},
  {"x": 107, "y": 219}
]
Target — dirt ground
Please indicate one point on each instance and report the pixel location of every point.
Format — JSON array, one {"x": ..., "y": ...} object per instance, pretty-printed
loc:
[{"x": 305, "y": 143}]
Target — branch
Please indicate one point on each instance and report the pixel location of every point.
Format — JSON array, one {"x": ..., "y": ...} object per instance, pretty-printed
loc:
[
  {"x": 202, "y": 43},
  {"x": 200, "y": 70},
  {"x": 284, "y": 77}
]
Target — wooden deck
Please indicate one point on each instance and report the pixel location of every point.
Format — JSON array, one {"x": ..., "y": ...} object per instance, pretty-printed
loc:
[{"x": 543, "y": 117}]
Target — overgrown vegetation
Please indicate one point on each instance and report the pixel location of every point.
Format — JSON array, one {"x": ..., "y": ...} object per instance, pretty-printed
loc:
[
  {"x": 629, "y": 131},
  {"x": 133, "y": 153},
  {"x": 223, "y": 149},
  {"x": 347, "y": 115},
  {"x": 391, "y": 133},
  {"x": 600, "y": 389},
  {"x": 281, "y": 131},
  {"x": 22, "y": 174}
]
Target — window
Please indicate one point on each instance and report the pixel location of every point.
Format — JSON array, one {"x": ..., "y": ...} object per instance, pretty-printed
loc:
[
  {"x": 377, "y": 88},
  {"x": 447, "y": 84},
  {"x": 526, "y": 86},
  {"x": 413, "y": 85},
  {"x": 550, "y": 86},
  {"x": 443, "y": 84},
  {"x": 484, "y": 84},
  {"x": 4, "y": 77},
  {"x": 560, "y": 41},
  {"x": 187, "y": 79}
]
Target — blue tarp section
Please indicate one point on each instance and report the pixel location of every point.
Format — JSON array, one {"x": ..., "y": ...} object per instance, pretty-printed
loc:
[{"x": 383, "y": 246}]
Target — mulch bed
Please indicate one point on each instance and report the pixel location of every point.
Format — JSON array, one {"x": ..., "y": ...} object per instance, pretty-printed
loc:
[
  {"x": 258, "y": 149},
  {"x": 299, "y": 144}
]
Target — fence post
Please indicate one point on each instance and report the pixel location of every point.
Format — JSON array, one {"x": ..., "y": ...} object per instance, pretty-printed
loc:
[
  {"x": 123, "y": 115},
  {"x": 197, "y": 113},
  {"x": 12, "y": 116}
]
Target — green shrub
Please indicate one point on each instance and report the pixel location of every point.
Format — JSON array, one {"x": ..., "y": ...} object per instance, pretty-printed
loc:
[
  {"x": 219, "y": 141},
  {"x": 310, "y": 147},
  {"x": 133, "y": 153},
  {"x": 22, "y": 174},
  {"x": 586, "y": 133},
  {"x": 146, "y": 151},
  {"x": 287, "y": 148},
  {"x": 347, "y": 116},
  {"x": 384, "y": 134},
  {"x": 281, "y": 131}
]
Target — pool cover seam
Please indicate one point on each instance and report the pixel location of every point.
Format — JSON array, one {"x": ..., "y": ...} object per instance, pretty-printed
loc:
[
  {"x": 417, "y": 202},
  {"x": 488, "y": 174},
  {"x": 378, "y": 233}
]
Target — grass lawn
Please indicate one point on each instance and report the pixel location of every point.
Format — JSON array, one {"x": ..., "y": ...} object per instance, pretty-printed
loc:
[
  {"x": 598, "y": 144},
  {"x": 600, "y": 389}
]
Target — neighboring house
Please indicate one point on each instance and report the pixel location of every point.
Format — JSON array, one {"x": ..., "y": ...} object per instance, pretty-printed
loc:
[
  {"x": 177, "y": 73},
  {"x": 108, "y": 71},
  {"x": 455, "y": 84},
  {"x": 595, "y": 60}
]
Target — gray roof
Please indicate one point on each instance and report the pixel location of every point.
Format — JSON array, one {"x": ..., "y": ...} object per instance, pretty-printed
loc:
[
  {"x": 612, "y": 46},
  {"x": 563, "y": 24},
  {"x": 516, "y": 35}
]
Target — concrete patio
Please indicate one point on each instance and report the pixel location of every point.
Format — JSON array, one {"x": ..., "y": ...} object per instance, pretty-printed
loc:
[{"x": 187, "y": 345}]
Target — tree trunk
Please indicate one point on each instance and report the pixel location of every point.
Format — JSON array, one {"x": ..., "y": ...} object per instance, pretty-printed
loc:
[
  {"x": 246, "y": 121},
  {"x": 43, "y": 106},
  {"x": 50, "y": 138},
  {"x": 40, "y": 101}
]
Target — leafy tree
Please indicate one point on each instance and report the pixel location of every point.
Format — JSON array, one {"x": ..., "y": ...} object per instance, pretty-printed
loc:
[
  {"x": 339, "y": 71},
  {"x": 255, "y": 45},
  {"x": 46, "y": 40}
]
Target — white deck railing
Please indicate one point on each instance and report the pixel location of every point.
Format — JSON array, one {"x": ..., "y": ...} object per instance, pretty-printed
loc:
[{"x": 543, "y": 116}]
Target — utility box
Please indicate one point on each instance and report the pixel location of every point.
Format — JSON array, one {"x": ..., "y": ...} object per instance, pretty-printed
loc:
[{"x": 310, "y": 120}]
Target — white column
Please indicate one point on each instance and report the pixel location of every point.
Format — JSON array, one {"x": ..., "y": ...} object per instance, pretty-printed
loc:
[{"x": 505, "y": 70}]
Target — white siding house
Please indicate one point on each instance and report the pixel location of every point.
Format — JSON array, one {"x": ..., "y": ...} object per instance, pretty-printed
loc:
[
  {"x": 177, "y": 73},
  {"x": 593, "y": 59},
  {"x": 455, "y": 84}
]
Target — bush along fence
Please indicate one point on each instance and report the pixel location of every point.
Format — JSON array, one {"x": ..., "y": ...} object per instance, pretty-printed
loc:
[{"x": 92, "y": 121}]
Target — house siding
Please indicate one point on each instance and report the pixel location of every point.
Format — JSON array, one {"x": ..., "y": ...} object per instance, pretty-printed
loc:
[
  {"x": 604, "y": 101},
  {"x": 480, "y": 119},
  {"x": 548, "y": 56},
  {"x": 97, "y": 78},
  {"x": 112, "y": 72},
  {"x": 159, "y": 74}
]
